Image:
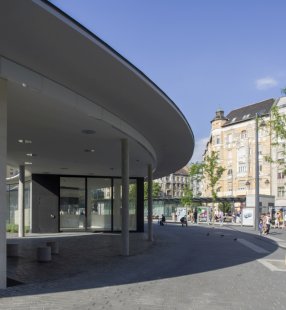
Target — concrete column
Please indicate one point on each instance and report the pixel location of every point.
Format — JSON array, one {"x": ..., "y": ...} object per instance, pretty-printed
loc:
[
  {"x": 125, "y": 196},
  {"x": 21, "y": 201},
  {"x": 3, "y": 202},
  {"x": 150, "y": 203}
]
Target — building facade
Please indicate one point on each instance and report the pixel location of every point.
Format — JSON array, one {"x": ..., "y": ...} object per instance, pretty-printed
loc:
[
  {"x": 233, "y": 137},
  {"x": 173, "y": 185}
]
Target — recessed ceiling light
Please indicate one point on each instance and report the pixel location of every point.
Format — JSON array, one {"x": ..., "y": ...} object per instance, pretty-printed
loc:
[
  {"x": 24, "y": 84},
  {"x": 24, "y": 141},
  {"x": 31, "y": 154},
  {"x": 88, "y": 131},
  {"x": 89, "y": 150},
  {"x": 28, "y": 163}
]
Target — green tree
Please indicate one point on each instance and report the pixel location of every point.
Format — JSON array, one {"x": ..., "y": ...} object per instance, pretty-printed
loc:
[
  {"x": 196, "y": 172},
  {"x": 212, "y": 172},
  {"x": 225, "y": 206},
  {"x": 187, "y": 198},
  {"x": 277, "y": 126},
  {"x": 196, "y": 175}
]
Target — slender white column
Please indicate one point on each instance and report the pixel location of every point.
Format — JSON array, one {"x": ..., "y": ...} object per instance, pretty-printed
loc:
[
  {"x": 3, "y": 202},
  {"x": 125, "y": 196},
  {"x": 21, "y": 201},
  {"x": 150, "y": 203},
  {"x": 256, "y": 218}
]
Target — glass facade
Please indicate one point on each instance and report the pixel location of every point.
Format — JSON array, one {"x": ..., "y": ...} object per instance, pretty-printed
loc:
[
  {"x": 117, "y": 204},
  {"x": 94, "y": 204},
  {"x": 84, "y": 204},
  {"x": 12, "y": 203}
]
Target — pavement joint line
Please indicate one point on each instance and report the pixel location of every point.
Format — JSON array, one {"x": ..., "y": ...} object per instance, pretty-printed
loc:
[
  {"x": 268, "y": 263},
  {"x": 252, "y": 246},
  {"x": 278, "y": 242}
]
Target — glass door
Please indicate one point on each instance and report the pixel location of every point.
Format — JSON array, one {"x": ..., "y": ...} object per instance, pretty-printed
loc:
[
  {"x": 99, "y": 204},
  {"x": 72, "y": 203}
]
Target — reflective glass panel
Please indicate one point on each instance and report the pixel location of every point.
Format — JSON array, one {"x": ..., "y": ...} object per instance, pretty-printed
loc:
[
  {"x": 98, "y": 204},
  {"x": 117, "y": 204},
  {"x": 72, "y": 203}
]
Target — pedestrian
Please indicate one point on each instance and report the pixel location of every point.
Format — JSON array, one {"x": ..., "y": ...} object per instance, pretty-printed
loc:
[
  {"x": 163, "y": 220},
  {"x": 260, "y": 227},
  {"x": 233, "y": 217},
  {"x": 221, "y": 218},
  {"x": 183, "y": 220},
  {"x": 195, "y": 215},
  {"x": 267, "y": 223}
]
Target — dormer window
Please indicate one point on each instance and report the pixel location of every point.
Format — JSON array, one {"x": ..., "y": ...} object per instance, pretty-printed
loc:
[{"x": 245, "y": 116}]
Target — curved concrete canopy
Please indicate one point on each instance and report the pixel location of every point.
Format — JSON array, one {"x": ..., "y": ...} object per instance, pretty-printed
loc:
[{"x": 63, "y": 80}]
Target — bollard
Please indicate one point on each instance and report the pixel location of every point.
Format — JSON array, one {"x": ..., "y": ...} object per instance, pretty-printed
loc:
[
  {"x": 54, "y": 245},
  {"x": 44, "y": 254},
  {"x": 12, "y": 250}
]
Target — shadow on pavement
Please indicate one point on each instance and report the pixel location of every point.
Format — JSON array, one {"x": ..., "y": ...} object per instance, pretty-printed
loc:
[{"x": 93, "y": 261}]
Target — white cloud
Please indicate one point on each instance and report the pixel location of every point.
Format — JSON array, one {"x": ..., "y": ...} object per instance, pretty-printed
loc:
[
  {"x": 200, "y": 147},
  {"x": 266, "y": 83}
]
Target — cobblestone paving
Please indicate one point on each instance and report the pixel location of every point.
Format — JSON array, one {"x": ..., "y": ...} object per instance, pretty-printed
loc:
[{"x": 185, "y": 268}]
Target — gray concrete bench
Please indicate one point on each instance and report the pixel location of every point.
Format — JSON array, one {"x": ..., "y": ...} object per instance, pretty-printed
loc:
[{"x": 54, "y": 245}]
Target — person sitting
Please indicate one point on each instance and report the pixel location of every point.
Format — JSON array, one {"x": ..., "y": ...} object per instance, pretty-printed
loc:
[
  {"x": 163, "y": 220},
  {"x": 183, "y": 220}
]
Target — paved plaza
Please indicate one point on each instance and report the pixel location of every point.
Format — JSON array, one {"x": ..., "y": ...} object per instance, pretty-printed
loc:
[{"x": 194, "y": 267}]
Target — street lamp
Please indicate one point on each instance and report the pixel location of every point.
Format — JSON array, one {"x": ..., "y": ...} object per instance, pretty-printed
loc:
[{"x": 257, "y": 171}]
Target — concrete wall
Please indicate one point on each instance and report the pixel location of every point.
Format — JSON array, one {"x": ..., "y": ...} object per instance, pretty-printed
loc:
[{"x": 45, "y": 203}]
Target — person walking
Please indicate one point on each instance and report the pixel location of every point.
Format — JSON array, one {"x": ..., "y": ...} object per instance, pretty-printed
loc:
[
  {"x": 221, "y": 218},
  {"x": 260, "y": 227},
  {"x": 195, "y": 215},
  {"x": 267, "y": 223}
]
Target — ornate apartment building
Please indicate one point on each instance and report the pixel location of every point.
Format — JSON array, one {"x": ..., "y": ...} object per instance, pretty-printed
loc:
[
  {"x": 173, "y": 185},
  {"x": 233, "y": 138}
]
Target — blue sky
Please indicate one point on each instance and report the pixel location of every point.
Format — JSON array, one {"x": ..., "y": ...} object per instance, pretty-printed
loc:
[{"x": 204, "y": 54}]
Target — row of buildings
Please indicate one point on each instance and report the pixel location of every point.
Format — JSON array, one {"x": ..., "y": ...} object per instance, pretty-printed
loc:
[{"x": 233, "y": 138}]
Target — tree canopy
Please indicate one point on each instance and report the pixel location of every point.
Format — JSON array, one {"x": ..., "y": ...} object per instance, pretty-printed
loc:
[
  {"x": 213, "y": 172},
  {"x": 277, "y": 124}
]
